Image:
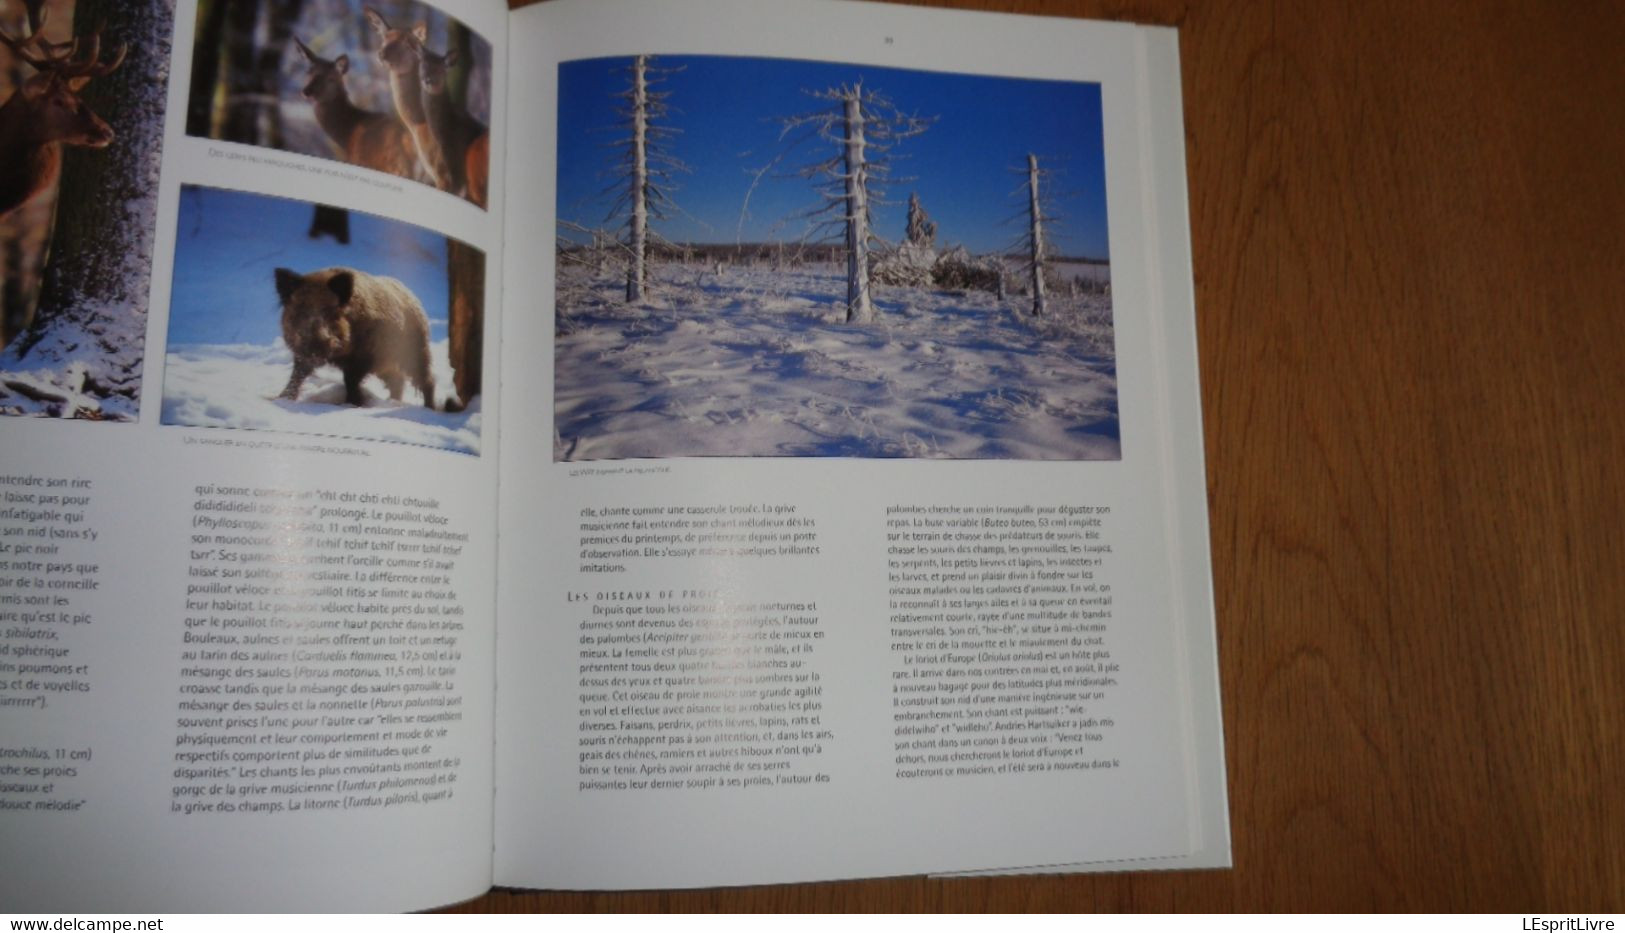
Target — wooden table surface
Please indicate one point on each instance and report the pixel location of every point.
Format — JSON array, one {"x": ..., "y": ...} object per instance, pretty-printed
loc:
[{"x": 1409, "y": 228}]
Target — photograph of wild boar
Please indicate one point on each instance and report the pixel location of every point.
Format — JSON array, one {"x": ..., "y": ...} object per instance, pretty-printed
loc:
[
  {"x": 82, "y": 88},
  {"x": 396, "y": 87},
  {"x": 312, "y": 319},
  {"x": 774, "y": 258}
]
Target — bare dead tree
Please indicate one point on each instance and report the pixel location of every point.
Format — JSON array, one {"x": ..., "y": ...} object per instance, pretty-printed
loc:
[
  {"x": 1035, "y": 233},
  {"x": 863, "y": 127},
  {"x": 1038, "y": 218},
  {"x": 643, "y": 172}
]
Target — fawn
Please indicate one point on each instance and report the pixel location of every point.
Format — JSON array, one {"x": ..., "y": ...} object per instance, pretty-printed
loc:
[
  {"x": 366, "y": 138},
  {"x": 464, "y": 142},
  {"x": 400, "y": 51}
]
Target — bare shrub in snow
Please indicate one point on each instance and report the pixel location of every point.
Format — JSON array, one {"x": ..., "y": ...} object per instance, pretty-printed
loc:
[
  {"x": 1036, "y": 248},
  {"x": 958, "y": 269},
  {"x": 914, "y": 260}
]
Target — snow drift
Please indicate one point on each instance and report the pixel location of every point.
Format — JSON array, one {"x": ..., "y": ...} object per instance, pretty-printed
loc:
[
  {"x": 235, "y": 386},
  {"x": 758, "y": 362}
]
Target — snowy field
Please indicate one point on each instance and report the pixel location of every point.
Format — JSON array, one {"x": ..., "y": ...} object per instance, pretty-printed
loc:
[
  {"x": 1098, "y": 273},
  {"x": 756, "y": 362},
  {"x": 87, "y": 366},
  {"x": 235, "y": 386}
]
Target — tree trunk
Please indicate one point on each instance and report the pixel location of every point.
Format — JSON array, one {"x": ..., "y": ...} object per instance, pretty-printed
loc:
[
  {"x": 244, "y": 87},
  {"x": 465, "y": 266},
  {"x": 268, "y": 65},
  {"x": 200, "y": 102},
  {"x": 639, "y": 223},
  {"x": 458, "y": 77},
  {"x": 16, "y": 304},
  {"x": 94, "y": 294},
  {"x": 331, "y": 221},
  {"x": 859, "y": 309},
  {"x": 1036, "y": 235}
]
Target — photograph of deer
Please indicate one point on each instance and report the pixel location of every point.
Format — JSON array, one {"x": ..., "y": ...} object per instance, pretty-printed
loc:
[
  {"x": 776, "y": 258},
  {"x": 81, "y": 132},
  {"x": 392, "y": 86},
  {"x": 311, "y": 319}
]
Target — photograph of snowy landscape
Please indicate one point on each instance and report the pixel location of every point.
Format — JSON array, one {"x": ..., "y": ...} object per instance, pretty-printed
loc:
[
  {"x": 387, "y": 317},
  {"x": 780, "y": 258},
  {"x": 82, "y": 88},
  {"x": 394, "y": 86}
]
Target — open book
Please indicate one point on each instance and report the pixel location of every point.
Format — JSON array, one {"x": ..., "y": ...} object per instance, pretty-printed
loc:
[{"x": 602, "y": 445}]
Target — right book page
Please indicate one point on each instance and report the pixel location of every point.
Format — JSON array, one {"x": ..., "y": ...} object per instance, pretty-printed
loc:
[{"x": 855, "y": 522}]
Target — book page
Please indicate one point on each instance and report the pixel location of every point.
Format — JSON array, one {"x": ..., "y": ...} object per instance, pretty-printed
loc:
[
  {"x": 249, "y": 482},
  {"x": 1160, "y": 101},
  {"x": 860, "y": 545}
]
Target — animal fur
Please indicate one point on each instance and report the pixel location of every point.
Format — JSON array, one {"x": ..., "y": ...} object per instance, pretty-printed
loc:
[{"x": 362, "y": 324}]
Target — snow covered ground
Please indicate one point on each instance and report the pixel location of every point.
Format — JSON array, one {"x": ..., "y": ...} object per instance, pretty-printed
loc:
[
  {"x": 235, "y": 386},
  {"x": 757, "y": 362},
  {"x": 87, "y": 366}
]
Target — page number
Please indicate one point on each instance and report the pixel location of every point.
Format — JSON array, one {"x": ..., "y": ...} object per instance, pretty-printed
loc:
[{"x": 889, "y": 40}]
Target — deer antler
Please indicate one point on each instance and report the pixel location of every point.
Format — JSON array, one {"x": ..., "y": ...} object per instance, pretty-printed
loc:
[
  {"x": 37, "y": 15},
  {"x": 77, "y": 58},
  {"x": 84, "y": 48},
  {"x": 81, "y": 60}
]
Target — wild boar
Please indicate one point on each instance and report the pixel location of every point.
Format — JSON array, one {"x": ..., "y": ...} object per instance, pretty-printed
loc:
[{"x": 363, "y": 324}]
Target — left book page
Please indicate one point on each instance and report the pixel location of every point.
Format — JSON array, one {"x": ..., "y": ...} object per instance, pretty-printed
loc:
[{"x": 248, "y": 467}]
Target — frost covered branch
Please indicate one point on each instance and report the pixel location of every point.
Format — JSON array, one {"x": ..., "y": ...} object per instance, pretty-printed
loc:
[
  {"x": 644, "y": 172},
  {"x": 865, "y": 127}
]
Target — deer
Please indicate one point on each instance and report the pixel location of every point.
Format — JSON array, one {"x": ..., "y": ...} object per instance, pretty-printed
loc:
[
  {"x": 364, "y": 137},
  {"x": 400, "y": 50},
  {"x": 465, "y": 143},
  {"x": 45, "y": 112}
]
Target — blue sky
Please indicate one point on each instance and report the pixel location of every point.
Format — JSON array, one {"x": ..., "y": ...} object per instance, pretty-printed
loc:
[
  {"x": 728, "y": 110},
  {"x": 230, "y": 244}
]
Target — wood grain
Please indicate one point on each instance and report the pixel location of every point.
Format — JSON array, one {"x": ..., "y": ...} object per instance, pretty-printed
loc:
[{"x": 1409, "y": 232}]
